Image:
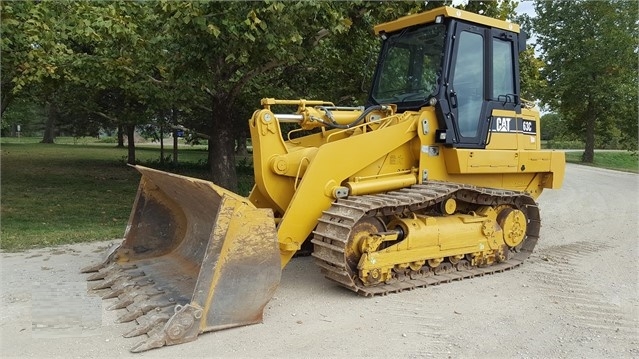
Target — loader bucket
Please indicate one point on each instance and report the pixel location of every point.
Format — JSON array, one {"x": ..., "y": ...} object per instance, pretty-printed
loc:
[{"x": 195, "y": 258}]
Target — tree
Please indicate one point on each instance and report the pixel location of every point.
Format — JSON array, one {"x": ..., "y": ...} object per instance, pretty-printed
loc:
[
  {"x": 235, "y": 50},
  {"x": 552, "y": 127},
  {"x": 532, "y": 83},
  {"x": 206, "y": 63},
  {"x": 24, "y": 113},
  {"x": 590, "y": 54},
  {"x": 33, "y": 55}
]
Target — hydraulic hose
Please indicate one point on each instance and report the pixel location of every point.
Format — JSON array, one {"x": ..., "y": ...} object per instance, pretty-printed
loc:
[{"x": 334, "y": 124}]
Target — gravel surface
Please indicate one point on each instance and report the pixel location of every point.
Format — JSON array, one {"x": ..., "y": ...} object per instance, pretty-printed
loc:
[{"x": 576, "y": 297}]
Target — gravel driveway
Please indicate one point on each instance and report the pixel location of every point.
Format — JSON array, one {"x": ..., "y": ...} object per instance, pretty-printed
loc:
[{"x": 576, "y": 297}]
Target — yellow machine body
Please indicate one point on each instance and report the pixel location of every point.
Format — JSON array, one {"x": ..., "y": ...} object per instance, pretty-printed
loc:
[
  {"x": 397, "y": 194},
  {"x": 387, "y": 152}
]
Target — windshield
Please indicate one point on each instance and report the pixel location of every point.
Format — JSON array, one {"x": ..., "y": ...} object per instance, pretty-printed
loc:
[{"x": 410, "y": 65}]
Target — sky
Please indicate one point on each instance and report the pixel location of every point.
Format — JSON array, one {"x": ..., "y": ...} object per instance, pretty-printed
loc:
[{"x": 524, "y": 7}]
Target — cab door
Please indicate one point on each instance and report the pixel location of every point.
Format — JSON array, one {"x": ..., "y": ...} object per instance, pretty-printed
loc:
[
  {"x": 503, "y": 103},
  {"x": 467, "y": 86},
  {"x": 482, "y": 79}
]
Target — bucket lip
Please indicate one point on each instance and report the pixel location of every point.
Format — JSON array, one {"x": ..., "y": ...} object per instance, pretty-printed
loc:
[{"x": 147, "y": 171}]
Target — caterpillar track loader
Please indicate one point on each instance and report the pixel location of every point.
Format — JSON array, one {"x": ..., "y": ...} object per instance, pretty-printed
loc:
[{"x": 434, "y": 180}]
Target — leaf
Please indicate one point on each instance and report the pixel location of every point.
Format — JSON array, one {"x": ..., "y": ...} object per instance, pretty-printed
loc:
[{"x": 214, "y": 30}]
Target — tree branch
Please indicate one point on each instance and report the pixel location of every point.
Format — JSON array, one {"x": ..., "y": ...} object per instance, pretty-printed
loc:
[
  {"x": 248, "y": 76},
  {"x": 153, "y": 79},
  {"x": 320, "y": 35},
  {"x": 101, "y": 114},
  {"x": 204, "y": 107},
  {"x": 208, "y": 91}
]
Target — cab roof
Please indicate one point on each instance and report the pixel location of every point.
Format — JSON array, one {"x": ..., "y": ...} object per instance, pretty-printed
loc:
[{"x": 446, "y": 11}]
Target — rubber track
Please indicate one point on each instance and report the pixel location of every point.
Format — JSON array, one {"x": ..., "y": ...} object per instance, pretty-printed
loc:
[{"x": 336, "y": 223}]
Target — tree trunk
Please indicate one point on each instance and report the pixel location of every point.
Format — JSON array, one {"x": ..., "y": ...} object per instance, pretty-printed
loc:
[
  {"x": 221, "y": 154},
  {"x": 240, "y": 139},
  {"x": 161, "y": 144},
  {"x": 589, "y": 152},
  {"x": 174, "y": 121},
  {"x": 49, "y": 126},
  {"x": 120, "y": 136},
  {"x": 6, "y": 98},
  {"x": 130, "y": 133}
]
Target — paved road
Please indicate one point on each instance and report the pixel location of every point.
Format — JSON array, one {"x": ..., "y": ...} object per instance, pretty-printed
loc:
[{"x": 577, "y": 296}]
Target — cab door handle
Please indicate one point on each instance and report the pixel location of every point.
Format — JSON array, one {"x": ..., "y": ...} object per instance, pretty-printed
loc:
[{"x": 453, "y": 99}]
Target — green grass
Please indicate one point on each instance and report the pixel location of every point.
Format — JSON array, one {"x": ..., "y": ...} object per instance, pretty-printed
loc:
[
  {"x": 621, "y": 160},
  {"x": 67, "y": 193},
  {"x": 81, "y": 190}
]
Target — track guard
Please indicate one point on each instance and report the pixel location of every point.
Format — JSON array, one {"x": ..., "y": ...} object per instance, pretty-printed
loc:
[{"x": 195, "y": 258}]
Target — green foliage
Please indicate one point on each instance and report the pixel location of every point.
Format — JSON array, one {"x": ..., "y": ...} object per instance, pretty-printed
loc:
[
  {"x": 532, "y": 82},
  {"x": 589, "y": 49},
  {"x": 555, "y": 131},
  {"x": 503, "y": 10},
  {"x": 108, "y": 64},
  {"x": 553, "y": 126},
  {"x": 29, "y": 115}
]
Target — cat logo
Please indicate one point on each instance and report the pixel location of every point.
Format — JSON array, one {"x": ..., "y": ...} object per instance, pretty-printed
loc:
[
  {"x": 513, "y": 125},
  {"x": 503, "y": 124}
]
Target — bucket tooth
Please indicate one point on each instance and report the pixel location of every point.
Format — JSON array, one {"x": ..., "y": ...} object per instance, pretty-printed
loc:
[
  {"x": 125, "y": 285},
  {"x": 149, "y": 322},
  {"x": 108, "y": 259},
  {"x": 109, "y": 270},
  {"x": 138, "y": 309},
  {"x": 138, "y": 330},
  {"x": 155, "y": 341},
  {"x": 92, "y": 268},
  {"x": 182, "y": 327},
  {"x": 114, "y": 277},
  {"x": 114, "y": 293},
  {"x": 122, "y": 303},
  {"x": 149, "y": 305},
  {"x": 97, "y": 276},
  {"x": 124, "y": 274},
  {"x": 104, "y": 272},
  {"x": 104, "y": 284},
  {"x": 130, "y": 316},
  {"x": 135, "y": 296},
  {"x": 121, "y": 285}
]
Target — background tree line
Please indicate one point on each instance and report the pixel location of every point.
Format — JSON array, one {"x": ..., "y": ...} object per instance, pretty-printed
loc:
[
  {"x": 589, "y": 51},
  {"x": 82, "y": 66}
]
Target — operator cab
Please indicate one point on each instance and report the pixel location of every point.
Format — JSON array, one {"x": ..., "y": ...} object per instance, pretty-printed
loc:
[{"x": 464, "y": 64}]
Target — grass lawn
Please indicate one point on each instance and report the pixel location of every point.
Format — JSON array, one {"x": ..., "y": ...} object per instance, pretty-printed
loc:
[
  {"x": 614, "y": 160},
  {"x": 65, "y": 193},
  {"x": 78, "y": 190}
]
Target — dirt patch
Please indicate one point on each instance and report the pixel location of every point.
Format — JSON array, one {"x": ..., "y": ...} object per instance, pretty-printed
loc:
[{"x": 577, "y": 296}]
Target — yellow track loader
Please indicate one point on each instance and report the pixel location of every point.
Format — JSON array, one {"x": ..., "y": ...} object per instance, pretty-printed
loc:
[{"x": 434, "y": 180}]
